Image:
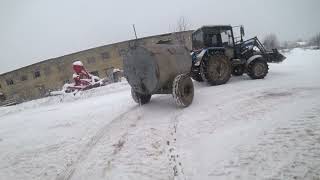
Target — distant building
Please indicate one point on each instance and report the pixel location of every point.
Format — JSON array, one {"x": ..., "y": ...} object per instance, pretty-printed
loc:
[
  {"x": 37, "y": 80},
  {"x": 302, "y": 43}
]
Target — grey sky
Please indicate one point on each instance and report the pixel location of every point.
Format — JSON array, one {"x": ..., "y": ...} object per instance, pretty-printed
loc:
[{"x": 35, "y": 30}]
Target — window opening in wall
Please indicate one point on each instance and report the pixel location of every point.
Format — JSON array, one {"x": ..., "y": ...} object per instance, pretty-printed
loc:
[
  {"x": 41, "y": 89},
  {"x": 23, "y": 78},
  {"x": 9, "y": 82},
  {"x": 122, "y": 52},
  {"x": 37, "y": 74},
  {"x": 105, "y": 55},
  {"x": 91, "y": 60}
]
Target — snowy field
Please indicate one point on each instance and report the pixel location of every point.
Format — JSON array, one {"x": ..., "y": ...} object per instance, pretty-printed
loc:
[{"x": 246, "y": 129}]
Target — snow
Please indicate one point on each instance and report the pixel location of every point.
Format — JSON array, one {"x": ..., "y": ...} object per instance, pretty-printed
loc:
[
  {"x": 302, "y": 43},
  {"x": 116, "y": 70},
  {"x": 245, "y": 129},
  {"x": 77, "y": 63}
]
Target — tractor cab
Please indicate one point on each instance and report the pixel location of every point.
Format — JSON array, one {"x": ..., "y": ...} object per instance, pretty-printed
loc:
[
  {"x": 212, "y": 36},
  {"x": 222, "y": 37}
]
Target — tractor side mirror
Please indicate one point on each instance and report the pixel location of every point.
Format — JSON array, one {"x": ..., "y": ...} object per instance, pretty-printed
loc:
[{"x": 242, "y": 31}]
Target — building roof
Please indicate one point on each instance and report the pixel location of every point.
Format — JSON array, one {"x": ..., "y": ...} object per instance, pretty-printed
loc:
[{"x": 56, "y": 58}]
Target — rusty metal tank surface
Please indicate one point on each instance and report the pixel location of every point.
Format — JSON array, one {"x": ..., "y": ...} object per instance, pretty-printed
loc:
[{"x": 152, "y": 69}]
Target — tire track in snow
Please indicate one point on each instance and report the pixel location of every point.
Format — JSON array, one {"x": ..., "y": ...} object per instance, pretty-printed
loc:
[
  {"x": 143, "y": 155},
  {"x": 69, "y": 171},
  {"x": 118, "y": 146},
  {"x": 173, "y": 153},
  {"x": 154, "y": 146}
]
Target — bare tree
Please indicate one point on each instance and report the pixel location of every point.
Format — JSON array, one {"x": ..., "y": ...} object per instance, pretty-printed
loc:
[
  {"x": 315, "y": 41},
  {"x": 271, "y": 41},
  {"x": 285, "y": 45},
  {"x": 181, "y": 26}
]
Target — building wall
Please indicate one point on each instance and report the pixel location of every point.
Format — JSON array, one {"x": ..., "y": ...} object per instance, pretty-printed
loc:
[{"x": 54, "y": 73}]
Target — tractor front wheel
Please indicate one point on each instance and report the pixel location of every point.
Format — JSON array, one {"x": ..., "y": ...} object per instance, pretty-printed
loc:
[{"x": 257, "y": 69}]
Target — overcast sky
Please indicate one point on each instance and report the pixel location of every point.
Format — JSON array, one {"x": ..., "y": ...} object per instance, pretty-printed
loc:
[{"x": 35, "y": 30}]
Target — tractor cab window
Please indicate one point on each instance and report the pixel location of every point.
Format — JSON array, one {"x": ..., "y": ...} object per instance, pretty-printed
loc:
[
  {"x": 197, "y": 40},
  {"x": 198, "y": 37},
  {"x": 213, "y": 40},
  {"x": 226, "y": 38}
]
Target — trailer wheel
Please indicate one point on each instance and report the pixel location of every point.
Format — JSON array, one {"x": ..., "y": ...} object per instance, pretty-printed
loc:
[
  {"x": 140, "y": 98},
  {"x": 257, "y": 69},
  {"x": 238, "y": 70},
  {"x": 196, "y": 76},
  {"x": 182, "y": 90},
  {"x": 216, "y": 69}
]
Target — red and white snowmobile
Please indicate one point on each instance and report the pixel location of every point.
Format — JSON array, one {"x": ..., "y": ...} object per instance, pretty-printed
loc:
[{"x": 82, "y": 80}]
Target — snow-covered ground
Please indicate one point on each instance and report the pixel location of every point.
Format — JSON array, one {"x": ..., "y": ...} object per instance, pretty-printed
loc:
[{"x": 246, "y": 129}]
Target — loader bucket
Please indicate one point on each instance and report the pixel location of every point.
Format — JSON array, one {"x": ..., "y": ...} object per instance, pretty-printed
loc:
[{"x": 275, "y": 56}]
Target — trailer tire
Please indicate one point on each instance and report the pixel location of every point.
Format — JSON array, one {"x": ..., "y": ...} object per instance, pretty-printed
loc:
[
  {"x": 216, "y": 69},
  {"x": 140, "y": 98},
  {"x": 258, "y": 69},
  {"x": 182, "y": 90}
]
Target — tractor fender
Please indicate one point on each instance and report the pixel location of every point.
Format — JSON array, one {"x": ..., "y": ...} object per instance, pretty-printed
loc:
[
  {"x": 199, "y": 57},
  {"x": 252, "y": 58}
]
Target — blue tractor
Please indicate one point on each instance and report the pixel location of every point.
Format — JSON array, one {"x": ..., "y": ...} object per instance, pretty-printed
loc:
[{"x": 217, "y": 54}]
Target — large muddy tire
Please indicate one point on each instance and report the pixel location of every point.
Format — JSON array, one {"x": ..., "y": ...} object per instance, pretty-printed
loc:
[
  {"x": 196, "y": 76},
  {"x": 216, "y": 69},
  {"x": 140, "y": 98},
  {"x": 183, "y": 90},
  {"x": 258, "y": 69},
  {"x": 238, "y": 70}
]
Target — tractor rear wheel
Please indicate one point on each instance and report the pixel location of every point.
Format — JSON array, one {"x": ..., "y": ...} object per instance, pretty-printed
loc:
[
  {"x": 257, "y": 69},
  {"x": 182, "y": 90},
  {"x": 216, "y": 69},
  {"x": 140, "y": 98},
  {"x": 238, "y": 70}
]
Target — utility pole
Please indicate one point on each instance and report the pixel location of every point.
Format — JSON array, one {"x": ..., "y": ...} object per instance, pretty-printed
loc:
[{"x": 134, "y": 29}]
